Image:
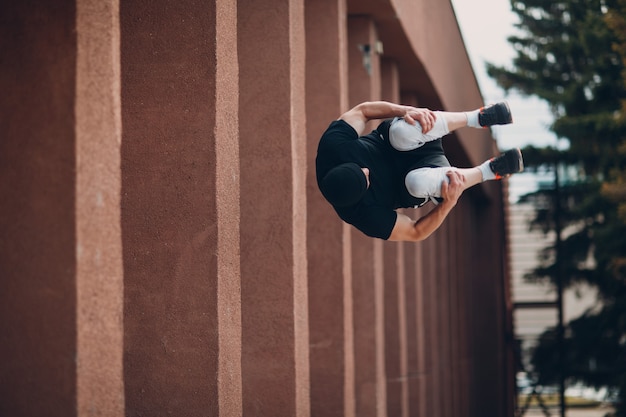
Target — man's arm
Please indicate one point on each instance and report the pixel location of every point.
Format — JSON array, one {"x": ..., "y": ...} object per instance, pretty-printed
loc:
[
  {"x": 358, "y": 116},
  {"x": 407, "y": 229}
]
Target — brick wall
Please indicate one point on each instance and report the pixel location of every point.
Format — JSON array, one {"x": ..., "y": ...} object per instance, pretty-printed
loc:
[{"x": 164, "y": 249}]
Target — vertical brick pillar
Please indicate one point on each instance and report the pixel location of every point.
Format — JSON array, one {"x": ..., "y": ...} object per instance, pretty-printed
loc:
[
  {"x": 367, "y": 253},
  {"x": 38, "y": 211},
  {"x": 389, "y": 80},
  {"x": 410, "y": 293},
  {"x": 414, "y": 295},
  {"x": 487, "y": 313},
  {"x": 227, "y": 212},
  {"x": 416, "y": 329},
  {"x": 329, "y": 250},
  {"x": 454, "y": 276},
  {"x": 443, "y": 315},
  {"x": 275, "y": 362},
  {"x": 180, "y": 199},
  {"x": 99, "y": 270},
  {"x": 431, "y": 324},
  {"x": 395, "y": 330},
  {"x": 395, "y": 296},
  {"x": 464, "y": 278},
  {"x": 464, "y": 282}
]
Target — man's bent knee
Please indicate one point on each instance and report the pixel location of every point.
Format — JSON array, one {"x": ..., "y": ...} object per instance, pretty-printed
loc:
[
  {"x": 426, "y": 182},
  {"x": 406, "y": 137}
]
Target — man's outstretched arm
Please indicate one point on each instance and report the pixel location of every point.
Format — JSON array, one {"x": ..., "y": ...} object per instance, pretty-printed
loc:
[
  {"x": 358, "y": 116},
  {"x": 407, "y": 229}
]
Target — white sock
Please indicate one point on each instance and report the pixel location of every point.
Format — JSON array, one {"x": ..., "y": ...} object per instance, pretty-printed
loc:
[
  {"x": 485, "y": 169},
  {"x": 472, "y": 118}
]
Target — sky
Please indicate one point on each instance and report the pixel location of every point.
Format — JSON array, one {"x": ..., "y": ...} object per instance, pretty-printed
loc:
[{"x": 485, "y": 26}]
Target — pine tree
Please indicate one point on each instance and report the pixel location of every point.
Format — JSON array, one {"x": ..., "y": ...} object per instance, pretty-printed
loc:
[{"x": 572, "y": 54}]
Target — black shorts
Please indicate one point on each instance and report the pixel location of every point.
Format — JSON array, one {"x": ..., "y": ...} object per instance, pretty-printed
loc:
[{"x": 430, "y": 155}]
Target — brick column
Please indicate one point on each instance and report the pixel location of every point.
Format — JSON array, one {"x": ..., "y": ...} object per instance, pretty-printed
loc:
[
  {"x": 465, "y": 311},
  {"x": 329, "y": 249},
  {"x": 395, "y": 297},
  {"x": 227, "y": 211},
  {"x": 414, "y": 299},
  {"x": 180, "y": 198},
  {"x": 367, "y": 253},
  {"x": 395, "y": 330},
  {"x": 431, "y": 323},
  {"x": 443, "y": 315},
  {"x": 455, "y": 274},
  {"x": 275, "y": 360},
  {"x": 416, "y": 328},
  {"x": 99, "y": 269}
]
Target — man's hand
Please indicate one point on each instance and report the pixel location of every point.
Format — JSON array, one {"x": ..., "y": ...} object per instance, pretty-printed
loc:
[
  {"x": 452, "y": 191},
  {"x": 407, "y": 229},
  {"x": 425, "y": 117}
]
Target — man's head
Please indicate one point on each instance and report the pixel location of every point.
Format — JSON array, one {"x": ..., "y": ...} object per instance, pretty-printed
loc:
[{"x": 345, "y": 184}]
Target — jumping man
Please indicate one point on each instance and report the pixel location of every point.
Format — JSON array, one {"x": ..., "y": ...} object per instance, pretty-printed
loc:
[{"x": 402, "y": 164}]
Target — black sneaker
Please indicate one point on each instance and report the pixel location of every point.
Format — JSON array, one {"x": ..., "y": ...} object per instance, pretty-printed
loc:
[
  {"x": 496, "y": 114},
  {"x": 508, "y": 163}
]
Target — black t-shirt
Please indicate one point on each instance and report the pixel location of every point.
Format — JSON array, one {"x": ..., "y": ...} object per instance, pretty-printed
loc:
[{"x": 375, "y": 213}]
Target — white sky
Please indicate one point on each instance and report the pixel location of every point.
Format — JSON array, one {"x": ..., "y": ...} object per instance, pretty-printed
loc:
[{"x": 485, "y": 25}]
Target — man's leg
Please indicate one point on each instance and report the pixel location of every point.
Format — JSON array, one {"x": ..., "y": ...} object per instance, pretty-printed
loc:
[
  {"x": 406, "y": 137},
  {"x": 426, "y": 182}
]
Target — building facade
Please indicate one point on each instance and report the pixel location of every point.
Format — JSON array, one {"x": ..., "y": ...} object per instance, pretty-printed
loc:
[{"x": 164, "y": 249}]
